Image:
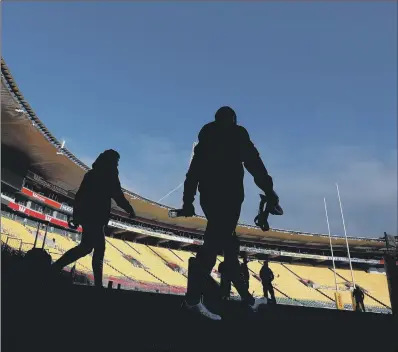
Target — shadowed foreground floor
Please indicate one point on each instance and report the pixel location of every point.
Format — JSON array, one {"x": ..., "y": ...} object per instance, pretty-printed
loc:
[{"x": 79, "y": 318}]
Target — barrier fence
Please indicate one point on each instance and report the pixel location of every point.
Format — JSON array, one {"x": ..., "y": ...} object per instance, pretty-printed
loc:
[{"x": 16, "y": 246}]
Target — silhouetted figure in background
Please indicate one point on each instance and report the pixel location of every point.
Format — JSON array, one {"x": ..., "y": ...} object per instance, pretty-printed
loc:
[
  {"x": 37, "y": 265},
  {"x": 267, "y": 276},
  {"x": 225, "y": 282},
  {"x": 245, "y": 270},
  {"x": 92, "y": 209},
  {"x": 73, "y": 273},
  {"x": 223, "y": 269},
  {"x": 217, "y": 171},
  {"x": 359, "y": 298}
]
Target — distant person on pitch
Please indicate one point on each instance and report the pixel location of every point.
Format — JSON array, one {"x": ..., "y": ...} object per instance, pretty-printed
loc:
[
  {"x": 267, "y": 276},
  {"x": 359, "y": 298},
  {"x": 217, "y": 171},
  {"x": 92, "y": 209}
]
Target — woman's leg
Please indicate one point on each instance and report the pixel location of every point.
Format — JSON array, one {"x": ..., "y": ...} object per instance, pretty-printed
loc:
[
  {"x": 98, "y": 256},
  {"x": 75, "y": 253}
]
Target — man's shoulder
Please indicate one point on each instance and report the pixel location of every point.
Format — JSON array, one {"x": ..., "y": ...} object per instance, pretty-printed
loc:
[
  {"x": 242, "y": 131},
  {"x": 208, "y": 127},
  {"x": 212, "y": 126},
  {"x": 207, "y": 132},
  {"x": 89, "y": 173}
]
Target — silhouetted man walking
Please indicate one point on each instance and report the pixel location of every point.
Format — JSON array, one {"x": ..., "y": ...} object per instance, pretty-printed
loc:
[
  {"x": 92, "y": 209},
  {"x": 217, "y": 171}
]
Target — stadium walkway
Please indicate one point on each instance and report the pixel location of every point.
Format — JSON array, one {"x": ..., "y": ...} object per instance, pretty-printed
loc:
[{"x": 80, "y": 318}]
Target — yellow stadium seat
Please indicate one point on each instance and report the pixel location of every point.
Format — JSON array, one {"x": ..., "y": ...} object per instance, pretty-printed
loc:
[
  {"x": 322, "y": 276},
  {"x": 156, "y": 265},
  {"x": 375, "y": 284},
  {"x": 156, "y": 271},
  {"x": 17, "y": 233},
  {"x": 113, "y": 253},
  {"x": 288, "y": 283}
]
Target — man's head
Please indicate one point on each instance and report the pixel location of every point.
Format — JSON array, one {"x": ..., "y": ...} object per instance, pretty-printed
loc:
[
  {"x": 109, "y": 159},
  {"x": 226, "y": 116}
]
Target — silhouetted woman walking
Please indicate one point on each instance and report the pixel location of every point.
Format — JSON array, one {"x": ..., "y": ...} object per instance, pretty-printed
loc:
[{"x": 92, "y": 209}]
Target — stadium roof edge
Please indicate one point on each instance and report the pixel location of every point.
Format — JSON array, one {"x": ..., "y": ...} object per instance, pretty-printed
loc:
[
  {"x": 18, "y": 96},
  {"x": 39, "y": 125}
]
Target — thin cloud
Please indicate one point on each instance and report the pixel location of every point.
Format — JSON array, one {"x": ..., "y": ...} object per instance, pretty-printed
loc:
[
  {"x": 368, "y": 185},
  {"x": 368, "y": 188},
  {"x": 88, "y": 160}
]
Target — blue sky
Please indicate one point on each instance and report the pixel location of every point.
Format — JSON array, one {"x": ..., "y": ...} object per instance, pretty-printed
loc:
[{"x": 315, "y": 84}]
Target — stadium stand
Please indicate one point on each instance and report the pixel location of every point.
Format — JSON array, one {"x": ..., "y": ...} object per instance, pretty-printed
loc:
[
  {"x": 320, "y": 276},
  {"x": 133, "y": 264},
  {"x": 375, "y": 286},
  {"x": 19, "y": 236},
  {"x": 157, "y": 266},
  {"x": 115, "y": 257}
]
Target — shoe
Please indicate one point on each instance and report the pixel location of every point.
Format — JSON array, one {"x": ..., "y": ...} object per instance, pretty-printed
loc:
[
  {"x": 200, "y": 308},
  {"x": 257, "y": 303}
]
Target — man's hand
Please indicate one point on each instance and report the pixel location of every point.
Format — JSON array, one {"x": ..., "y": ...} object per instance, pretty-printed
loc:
[
  {"x": 188, "y": 210},
  {"x": 273, "y": 206},
  {"x": 272, "y": 198}
]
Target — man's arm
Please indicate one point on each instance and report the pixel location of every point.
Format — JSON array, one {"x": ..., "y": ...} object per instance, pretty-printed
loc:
[
  {"x": 261, "y": 273},
  {"x": 192, "y": 178},
  {"x": 253, "y": 163},
  {"x": 120, "y": 199}
]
